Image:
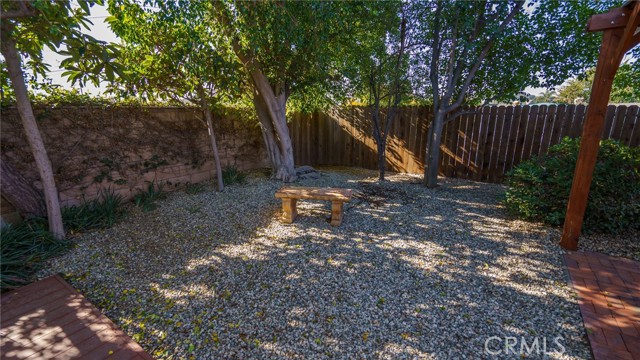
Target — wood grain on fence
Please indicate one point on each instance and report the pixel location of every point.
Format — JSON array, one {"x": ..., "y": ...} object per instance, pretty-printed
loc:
[{"x": 482, "y": 144}]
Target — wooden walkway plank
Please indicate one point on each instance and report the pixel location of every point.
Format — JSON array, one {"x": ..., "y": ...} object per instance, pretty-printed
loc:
[{"x": 49, "y": 319}]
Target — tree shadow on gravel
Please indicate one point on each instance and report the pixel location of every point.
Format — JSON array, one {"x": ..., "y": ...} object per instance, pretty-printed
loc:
[{"x": 411, "y": 273}]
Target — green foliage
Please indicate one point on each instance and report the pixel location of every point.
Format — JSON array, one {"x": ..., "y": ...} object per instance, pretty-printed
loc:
[
  {"x": 146, "y": 199},
  {"x": 302, "y": 47},
  {"x": 539, "y": 188},
  {"x": 22, "y": 251},
  {"x": 58, "y": 26},
  {"x": 6, "y": 91},
  {"x": 626, "y": 86},
  {"x": 193, "y": 189},
  {"x": 543, "y": 46},
  {"x": 99, "y": 213},
  {"x": 231, "y": 175},
  {"x": 55, "y": 95},
  {"x": 172, "y": 53}
]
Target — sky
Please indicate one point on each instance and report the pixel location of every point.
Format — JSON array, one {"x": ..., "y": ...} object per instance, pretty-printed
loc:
[{"x": 101, "y": 31}]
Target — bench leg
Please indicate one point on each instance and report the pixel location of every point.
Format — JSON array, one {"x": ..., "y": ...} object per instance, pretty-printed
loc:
[
  {"x": 336, "y": 213},
  {"x": 289, "y": 210}
]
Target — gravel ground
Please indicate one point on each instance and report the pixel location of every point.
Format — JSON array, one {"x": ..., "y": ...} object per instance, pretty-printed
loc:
[
  {"x": 624, "y": 245},
  {"x": 411, "y": 273}
]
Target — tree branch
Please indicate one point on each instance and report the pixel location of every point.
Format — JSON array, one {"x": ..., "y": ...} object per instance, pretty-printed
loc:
[
  {"x": 26, "y": 10},
  {"x": 433, "y": 69},
  {"x": 483, "y": 54}
]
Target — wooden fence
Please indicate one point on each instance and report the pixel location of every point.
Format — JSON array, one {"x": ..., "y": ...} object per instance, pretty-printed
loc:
[{"x": 480, "y": 146}]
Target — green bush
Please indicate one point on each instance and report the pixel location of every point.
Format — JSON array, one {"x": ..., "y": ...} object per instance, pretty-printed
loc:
[
  {"x": 100, "y": 213},
  {"x": 193, "y": 189},
  {"x": 22, "y": 250},
  {"x": 231, "y": 175},
  {"x": 539, "y": 188},
  {"x": 146, "y": 199}
]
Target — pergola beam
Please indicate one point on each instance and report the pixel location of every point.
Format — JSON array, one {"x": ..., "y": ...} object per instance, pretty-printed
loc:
[
  {"x": 614, "y": 18},
  {"x": 620, "y": 35}
]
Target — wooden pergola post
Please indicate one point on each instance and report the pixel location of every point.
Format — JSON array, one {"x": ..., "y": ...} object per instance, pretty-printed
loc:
[{"x": 621, "y": 33}]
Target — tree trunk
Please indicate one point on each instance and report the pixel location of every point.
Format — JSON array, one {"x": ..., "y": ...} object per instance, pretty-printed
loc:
[
  {"x": 17, "y": 190},
  {"x": 271, "y": 109},
  {"x": 268, "y": 134},
  {"x": 382, "y": 159},
  {"x": 212, "y": 138},
  {"x": 214, "y": 147},
  {"x": 14, "y": 67},
  {"x": 433, "y": 150}
]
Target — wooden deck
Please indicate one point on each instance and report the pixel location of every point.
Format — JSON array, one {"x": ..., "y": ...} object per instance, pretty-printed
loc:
[{"x": 51, "y": 320}]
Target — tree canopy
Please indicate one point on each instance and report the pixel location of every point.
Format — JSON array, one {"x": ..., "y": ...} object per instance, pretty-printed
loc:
[
  {"x": 626, "y": 86},
  {"x": 27, "y": 27}
]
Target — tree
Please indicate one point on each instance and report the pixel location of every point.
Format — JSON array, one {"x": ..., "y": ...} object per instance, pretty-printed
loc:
[
  {"x": 488, "y": 50},
  {"x": 26, "y": 28},
  {"x": 19, "y": 192},
  {"x": 575, "y": 91},
  {"x": 287, "y": 49},
  {"x": 545, "y": 97},
  {"x": 171, "y": 53},
  {"x": 383, "y": 71},
  {"x": 626, "y": 86}
]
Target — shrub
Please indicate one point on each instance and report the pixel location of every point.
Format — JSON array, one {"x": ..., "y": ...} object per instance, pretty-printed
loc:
[
  {"x": 22, "y": 250},
  {"x": 146, "y": 199},
  {"x": 100, "y": 213},
  {"x": 539, "y": 188},
  {"x": 231, "y": 175},
  {"x": 193, "y": 189}
]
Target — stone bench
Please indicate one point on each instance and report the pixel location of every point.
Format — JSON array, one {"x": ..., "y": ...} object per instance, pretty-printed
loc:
[{"x": 290, "y": 196}]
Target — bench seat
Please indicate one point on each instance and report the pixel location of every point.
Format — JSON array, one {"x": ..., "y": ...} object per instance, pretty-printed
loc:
[{"x": 290, "y": 196}]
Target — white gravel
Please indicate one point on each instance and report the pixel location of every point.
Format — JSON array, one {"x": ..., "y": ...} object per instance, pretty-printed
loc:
[{"x": 411, "y": 273}]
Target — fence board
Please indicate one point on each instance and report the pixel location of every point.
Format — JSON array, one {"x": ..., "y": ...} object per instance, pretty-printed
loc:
[
  {"x": 489, "y": 120},
  {"x": 635, "y": 136},
  {"x": 548, "y": 129},
  {"x": 538, "y": 129},
  {"x": 609, "y": 119},
  {"x": 504, "y": 142},
  {"x": 458, "y": 137},
  {"x": 568, "y": 119},
  {"x": 558, "y": 124},
  {"x": 461, "y": 149},
  {"x": 529, "y": 131},
  {"x": 495, "y": 146},
  {"x": 578, "y": 119},
  {"x": 513, "y": 138},
  {"x": 451, "y": 148},
  {"x": 616, "y": 130},
  {"x": 629, "y": 124},
  {"x": 482, "y": 145}
]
